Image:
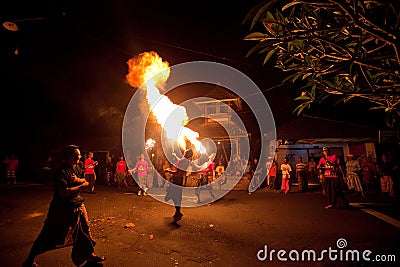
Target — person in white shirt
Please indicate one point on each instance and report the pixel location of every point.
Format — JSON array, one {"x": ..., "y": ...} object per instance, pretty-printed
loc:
[{"x": 286, "y": 169}]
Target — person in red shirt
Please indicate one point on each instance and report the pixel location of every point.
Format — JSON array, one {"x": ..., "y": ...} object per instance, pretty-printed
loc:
[
  {"x": 121, "y": 172},
  {"x": 11, "y": 169},
  {"x": 271, "y": 175},
  {"x": 331, "y": 170},
  {"x": 204, "y": 181},
  {"x": 90, "y": 174}
]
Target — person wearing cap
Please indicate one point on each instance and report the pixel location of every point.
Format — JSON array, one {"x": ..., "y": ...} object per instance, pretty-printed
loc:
[{"x": 329, "y": 164}]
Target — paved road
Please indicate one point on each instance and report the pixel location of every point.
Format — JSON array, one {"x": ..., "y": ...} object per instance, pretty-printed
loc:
[{"x": 229, "y": 232}]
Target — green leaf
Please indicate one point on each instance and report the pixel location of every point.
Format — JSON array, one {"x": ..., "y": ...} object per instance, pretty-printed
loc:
[
  {"x": 300, "y": 43},
  {"x": 269, "y": 16},
  {"x": 289, "y": 77},
  {"x": 300, "y": 108},
  {"x": 268, "y": 56},
  {"x": 312, "y": 92},
  {"x": 256, "y": 36},
  {"x": 290, "y": 4},
  {"x": 267, "y": 5},
  {"x": 331, "y": 85},
  {"x": 258, "y": 46},
  {"x": 308, "y": 60},
  {"x": 324, "y": 97},
  {"x": 377, "y": 108},
  {"x": 302, "y": 97},
  {"x": 253, "y": 11},
  {"x": 297, "y": 76},
  {"x": 306, "y": 75}
]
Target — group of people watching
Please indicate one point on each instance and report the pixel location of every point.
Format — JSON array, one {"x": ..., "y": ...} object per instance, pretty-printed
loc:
[
  {"x": 279, "y": 175},
  {"x": 366, "y": 177},
  {"x": 361, "y": 175}
]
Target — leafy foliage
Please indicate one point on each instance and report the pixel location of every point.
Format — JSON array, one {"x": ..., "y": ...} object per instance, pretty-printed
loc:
[{"x": 340, "y": 48}]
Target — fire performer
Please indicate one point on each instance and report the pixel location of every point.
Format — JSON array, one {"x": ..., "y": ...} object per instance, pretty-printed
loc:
[
  {"x": 174, "y": 190},
  {"x": 67, "y": 221}
]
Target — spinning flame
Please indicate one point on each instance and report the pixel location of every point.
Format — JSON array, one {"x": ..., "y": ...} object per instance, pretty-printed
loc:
[
  {"x": 148, "y": 69},
  {"x": 149, "y": 143}
]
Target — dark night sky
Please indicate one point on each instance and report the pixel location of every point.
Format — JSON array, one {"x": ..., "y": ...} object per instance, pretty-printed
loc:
[{"x": 68, "y": 79}]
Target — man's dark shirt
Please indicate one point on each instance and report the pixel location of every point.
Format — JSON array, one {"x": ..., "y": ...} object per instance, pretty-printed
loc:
[{"x": 64, "y": 179}]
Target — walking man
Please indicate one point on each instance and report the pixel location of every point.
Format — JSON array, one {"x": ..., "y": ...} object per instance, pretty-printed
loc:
[
  {"x": 332, "y": 172},
  {"x": 90, "y": 174},
  {"x": 141, "y": 168}
]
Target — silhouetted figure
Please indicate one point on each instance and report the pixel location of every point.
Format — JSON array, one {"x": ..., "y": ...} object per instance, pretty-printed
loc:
[{"x": 67, "y": 221}]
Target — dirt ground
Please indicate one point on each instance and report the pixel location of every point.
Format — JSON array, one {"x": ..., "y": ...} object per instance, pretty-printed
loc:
[{"x": 136, "y": 230}]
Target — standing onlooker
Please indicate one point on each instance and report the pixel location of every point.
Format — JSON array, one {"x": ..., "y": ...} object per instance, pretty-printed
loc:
[
  {"x": 312, "y": 171},
  {"x": 255, "y": 176},
  {"x": 90, "y": 174},
  {"x": 331, "y": 170},
  {"x": 219, "y": 170},
  {"x": 121, "y": 172},
  {"x": 353, "y": 169},
  {"x": 47, "y": 169},
  {"x": 67, "y": 212},
  {"x": 286, "y": 169},
  {"x": 369, "y": 176},
  {"x": 386, "y": 174},
  {"x": 238, "y": 165},
  {"x": 11, "y": 169},
  {"x": 141, "y": 168},
  {"x": 109, "y": 171},
  {"x": 204, "y": 181},
  {"x": 301, "y": 173},
  {"x": 271, "y": 177}
]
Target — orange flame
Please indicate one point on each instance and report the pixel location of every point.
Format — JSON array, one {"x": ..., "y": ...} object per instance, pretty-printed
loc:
[{"x": 148, "y": 69}]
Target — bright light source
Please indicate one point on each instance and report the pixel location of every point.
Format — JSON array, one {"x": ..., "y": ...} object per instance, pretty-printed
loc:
[{"x": 150, "y": 143}]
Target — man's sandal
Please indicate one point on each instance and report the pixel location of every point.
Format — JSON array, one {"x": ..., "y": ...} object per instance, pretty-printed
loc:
[
  {"x": 33, "y": 264},
  {"x": 96, "y": 259}
]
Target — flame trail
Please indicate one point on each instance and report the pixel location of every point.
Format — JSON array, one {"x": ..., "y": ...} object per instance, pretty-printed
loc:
[{"x": 148, "y": 69}]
